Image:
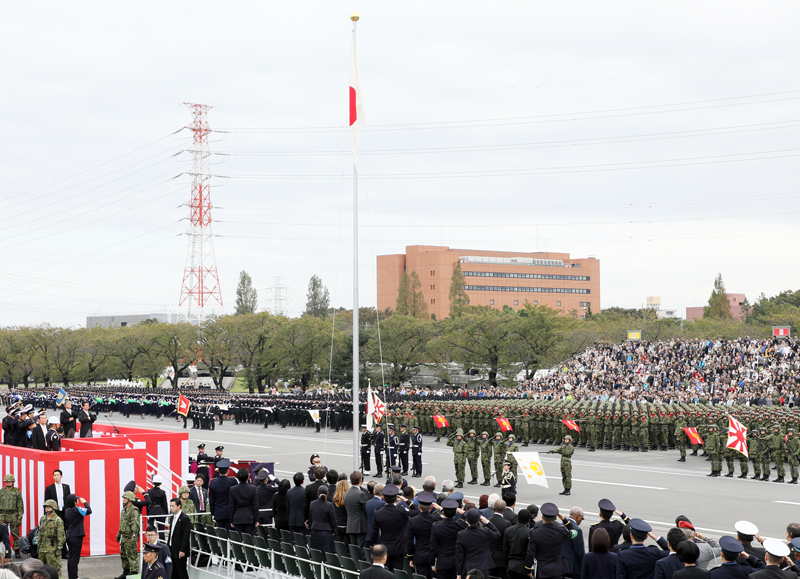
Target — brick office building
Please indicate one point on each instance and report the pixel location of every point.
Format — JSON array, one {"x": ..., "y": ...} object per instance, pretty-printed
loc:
[{"x": 493, "y": 278}]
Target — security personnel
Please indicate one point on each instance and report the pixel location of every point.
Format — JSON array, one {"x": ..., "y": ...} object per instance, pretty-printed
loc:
[
  {"x": 12, "y": 509},
  {"x": 418, "y": 543},
  {"x": 392, "y": 445},
  {"x": 128, "y": 536},
  {"x": 203, "y": 460},
  {"x": 366, "y": 448},
  {"x": 219, "y": 498},
  {"x": 613, "y": 528},
  {"x": 378, "y": 442},
  {"x": 565, "y": 450},
  {"x": 638, "y": 561},
  {"x": 545, "y": 544},
  {"x": 153, "y": 569},
  {"x": 416, "y": 451},
  {"x": 403, "y": 447},
  {"x": 389, "y": 526}
]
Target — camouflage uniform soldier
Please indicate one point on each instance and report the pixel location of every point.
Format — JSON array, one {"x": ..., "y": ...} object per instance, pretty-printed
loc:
[
  {"x": 730, "y": 458},
  {"x": 714, "y": 449},
  {"x": 644, "y": 426},
  {"x": 128, "y": 536},
  {"x": 512, "y": 447},
  {"x": 765, "y": 454},
  {"x": 616, "y": 441},
  {"x": 12, "y": 509},
  {"x": 565, "y": 450},
  {"x": 51, "y": 536},
  {"x": 793, "y": 450},
  {"x": 473, "y": 450},
  {"x": 777, "y": 451},
  {"x": 680, "y": 437},
  {"x": 627, "y": 443},
  {"x": 485, "y": 444},
  {"x": 187, "y": 506},
  {"x": 754, "y": 448},
  {"x": 635, "y": 432},
  {"x": 459, "y": 455},
  {"x": 499, "y": 457}
]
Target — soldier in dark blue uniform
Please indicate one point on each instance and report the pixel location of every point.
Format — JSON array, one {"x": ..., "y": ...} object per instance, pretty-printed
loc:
[
  {"x": 416, "y": 452},
  {"x": 613, "y": 528},
  {"x": 732, "y": 552},
  {"x": 389, "y": 527},
  {"x": 219, "y": 497},
  {"x": 443, "y": 540},
  {"x": 392, "y": 444},
  {"x": 639, "y": 561},
  {"x": 403, "y": 447},
  {"x": 418, "y": 537},
  {"x": 378, "y": 442},
  {"x": 366, "y": 448},
  {"x": 545, "y": 544},
  {"x": 152, "y": 568}
]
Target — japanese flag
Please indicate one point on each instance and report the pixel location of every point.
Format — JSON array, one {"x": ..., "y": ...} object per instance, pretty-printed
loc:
[{"x": 356, "y": 100}]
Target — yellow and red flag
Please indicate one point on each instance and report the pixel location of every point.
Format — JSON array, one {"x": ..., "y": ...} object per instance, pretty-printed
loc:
[
  {"x": 183, "y": 405},
  {"x": 694, "y": 438},
  {"x": 572, "y": 425},
  {"x": 441, "y": 421},
  {"x": 505, "y": 425}
]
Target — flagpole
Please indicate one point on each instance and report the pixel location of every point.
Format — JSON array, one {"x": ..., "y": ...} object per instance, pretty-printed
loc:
[{"x": 356, "y": 420}]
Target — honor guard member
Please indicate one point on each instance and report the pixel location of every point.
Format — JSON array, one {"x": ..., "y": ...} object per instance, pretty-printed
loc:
[
  {"x": 613, "y": 528},
  {"x": 389, "y": 527},
  {"x": 639, "y": 561},
  {"x": 203, "y": 460},
  {"x": 736, "y": 564},
  {"x": 418, "y": 538},
  {"x": 53, "y": 438},
  {"x": 12, "y": 509},
  {"x": 509, "y": 480},
  {"x": 153, "y": 569},
  {"x": 128, "y": 536},
  {"x": 366, "y": 448},
  {"x": 378, "y": 442},
  {"x": 218, "y": 455},
  {"x": 391, "y": 449},
  {"x": 416, "y": 451},
  {"x": 403, "y": 448},
  {"x": 746, "y": 532}
]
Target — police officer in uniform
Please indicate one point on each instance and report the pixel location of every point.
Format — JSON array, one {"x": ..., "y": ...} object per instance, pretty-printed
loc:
[
  {"x": 613, "y": 528},
  {"x": 638, "y": 560},
  {"x": 418, "y": 545},
  {"x": 416, "y": 452},
  {"x": 203, "y": 460},
  {"x": 153, "y": 569}
]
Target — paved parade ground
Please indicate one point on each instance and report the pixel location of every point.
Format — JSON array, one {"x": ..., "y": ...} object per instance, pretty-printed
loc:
[{"x": 652, "y": 486}]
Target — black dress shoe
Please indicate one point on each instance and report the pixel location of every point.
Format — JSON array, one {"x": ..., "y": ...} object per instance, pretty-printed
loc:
[{"x": 459, "y": 485}]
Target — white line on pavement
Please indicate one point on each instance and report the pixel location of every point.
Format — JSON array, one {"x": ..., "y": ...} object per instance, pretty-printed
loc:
[{"x": 786, "y": 502}]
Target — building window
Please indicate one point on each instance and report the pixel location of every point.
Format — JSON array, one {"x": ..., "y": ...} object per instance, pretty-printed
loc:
[
  {"x": 521, "y": 289},
  {"x": 433, "y": 272},
  {"x": 433, "y": 301},
  {"x": 516, "y": 302},
  {"x": 558, "y": 303},
  {"x": 433, "y": 287},
  {"x": 491, "y": 302},
  {"x": 586, "y": 304},
  {"x": 526, "y": 275},
  {"x": 536, "y": 303}
]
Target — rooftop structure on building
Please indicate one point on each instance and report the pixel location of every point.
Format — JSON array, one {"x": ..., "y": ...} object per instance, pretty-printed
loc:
[
  {"x": 736, "y": 302},
  {"x": 124, "y": 320},
  {"x": 493, "y": 278}
]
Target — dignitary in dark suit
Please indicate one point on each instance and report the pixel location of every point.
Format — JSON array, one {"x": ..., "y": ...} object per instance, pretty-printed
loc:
[
  {"x": 389, "y": 526},
  {"x": 418, "y": 535},
  {"x": 75, "y": 511},
  {"x": 39, "y": 432},
  {"x": 613, "y": 528},
  {"x": 515, "y": 545},
  {"x": 311, "y": 489},
  {"x": 378, "y": 568},
  {"x": 244, "y": 504},
  {"x": 355, "y": 501},
  {"x": 443, "y": 540},
  {"x": 545, "y": 544},
  {"x": 68, "y": 420},
  {"x": 639, "y": 561},
  {"x": 295, "y": 499},
  {"x": 599, "y": 563},
  {"x": 86, "y": 419},
  {"x": 667, "y": 566},
  {"x": 219, "y": 495},
  {"x": 472, "y": 545},
  {"x": 496, "y": 544},
  {"x": 58, "y": 492},
  {"x": 777, "y": 551},
  {"x": 736, "y": 564},
  {"x": 199, "y": 496},
  {"x": 574, "y": 549},
  {"x": 178, "y": 539}
]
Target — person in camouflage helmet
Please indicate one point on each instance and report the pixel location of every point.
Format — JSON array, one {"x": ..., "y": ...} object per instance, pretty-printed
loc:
[
  {"x": 459, "y": 445},
  {"x": 777, "y": 451},
  {"x": 498, "y": 444},
  {"x": 473, "y": 450},
  {"x": 713, "y": 446},
  {"x": 485, "y": 444},
  {"x": 128, "y": 536},
  {"x": 12, "y": 509},
  {"x": 512, "y": 447},
  {"x": 51, "y": 536},
  {"x": 793, "y": 453},
  {"x": 566, "y": 451},
  {"x": 187, "y": 505}
]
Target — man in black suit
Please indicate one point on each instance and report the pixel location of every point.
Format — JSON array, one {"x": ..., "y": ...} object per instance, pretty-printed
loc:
[
  {"x": 199, "y": 495},
  {"x": 378, "y": 568},
  {"x": 496, "y": 545},
  {"x": 219, "y": 498},
  {"x": 443, "y": 540},
  {"x": 311, "y": 490},
  {"x": 244, "y": 504},
  {"x": 57, "y": 492},
  {"x": 545, "y": 544},
  {"x": 295, "y": 498},
  {"x": 574, "y": 549},
  {"x": 418, "y": 537},
  {"x": 68, "y": 420},
  {"x": 355, "y": 500},
  {"x": 38, "y": 441},
  {"x": 638, "y": 561},
  {"x": 666, "y": 567},
  {"x": 515, "y": 545},
  {"x": 389, "y": 526},
  {"x": 178, "y": 539},
  {"x": 86, "y": 419}
]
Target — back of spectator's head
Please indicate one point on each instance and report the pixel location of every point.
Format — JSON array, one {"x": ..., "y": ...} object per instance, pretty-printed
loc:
[
  {"x": 36, "y": 574},
  {"x": 379, "y": 553},
  {"x": 332, "y": 477},
  {"x": 319, "y": 473},
  {"x": 499, "y": 506},
  {"x": 441, "y": 496},
  {"x": 533, "y": 510},
  {"x": 626, "y": 533},
  {"x": 356, "y": 477},
  {"x": 576, "y": 513},
  {"x": 524, "y": 517},
  {"x": 483, "y": 501},
  {"x": 793, "y": 530},
  {"x": 243, "y": 475},
  {"x": 397, "y": 480},
  {"x": 475, "y": 574},
  {"x": 52, "y": 571},
  {"x": 378, "y": 490},
  {"x": 492, "y": 498},
  {"x": 342, "y": 476},
  {"x": 283, "y": 486},
  {"x": 408, "y": 492},
  {"x": 298, "y": 478},
  {"x": 510, "y": 499},
  {"x": 30, "y": 564},
  {"x": 10, "y": 571},
  {"x": 429, "y": 485},
  {"x": 687, "y": 552},
  {"x": 447, "y": 486},
  {"x": 371, "y": 486},
  {"x": 675, "y": 536},
  {"x": 322, "y": 493},
  {"x": 605, "y": 514},
  {"x": 601, "y": 542}
]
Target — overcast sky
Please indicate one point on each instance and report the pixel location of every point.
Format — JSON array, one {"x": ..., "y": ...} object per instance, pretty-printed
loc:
[{"x": 659, "y": 137}]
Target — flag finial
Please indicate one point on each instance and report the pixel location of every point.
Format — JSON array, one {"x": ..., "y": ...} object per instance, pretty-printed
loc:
[{"x": 354, "y": 17}]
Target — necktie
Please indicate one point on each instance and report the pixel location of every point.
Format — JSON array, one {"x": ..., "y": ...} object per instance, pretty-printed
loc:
[{"x": 200, "y": 494}]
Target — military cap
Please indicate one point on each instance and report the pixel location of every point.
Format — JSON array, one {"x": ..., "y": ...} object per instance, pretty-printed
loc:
[
  {"x": 51, "y": 503},
  {"x": 390, "y": 491},
  {"x": 457, "y": 496},
  {"x": 363, "y": 426},
  {"x": 263, "y": 475},
  {"x": 790, "y": 429},
  {"x": 745, "y": 528},
  {"x": 459, "y": 432},
  {"x": 148, "y": 548},
  {"x": 396, "y": 468},
  {"x": 9, "y": 478},
  {"x": 158, "y": 479},
  {"x": 639, "y": 526},
  {"x": 776, "y": 547},
  {"x": 730, "y": 545},
  {"x": 131, "y": 486},
  {"x": 508, "y": 463},
  {"x": 219, "y": 448},
  {"x": 183, "y": 489},
  {"x": 53, "y": 420},
  {"x": 606, "y": 505},
  {"x": 378, "y": 425},
  {"x": 426, "y": 498},
  {"x": 391, "y": 426},
  {"x": 500, "y": 434},
  {"x": 795, "y": 544},
  {"x": 27, "y": 409},
  {"x": 129, "y": 495},
  {"x": 224, "y": 463},
  {"x": 549, "y": 510},
  {"x": 313, "y": 456},
  {"x": 473, "y": 516},
  {"x": 201, "y": 445},
  {"x": 449, "y": 503}
]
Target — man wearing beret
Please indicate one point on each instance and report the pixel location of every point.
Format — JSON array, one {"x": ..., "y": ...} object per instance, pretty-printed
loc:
[
  {"x": 639, "y": 561},
  {"x": 545, "y": 544}
]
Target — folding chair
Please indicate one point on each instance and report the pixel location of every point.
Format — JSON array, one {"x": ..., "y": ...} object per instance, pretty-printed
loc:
[
  {"x": 280, "y": 562},
  {"x": 262, "y": 552},
  {"x": 291, "y": 563},
  {"x": 286, "y": 536},
  {"x": 300, "y": 539},
  {"x": 398, "y": 574},
  {"x": 341, "y": 550},
  {"x": 356, "y": 554}
]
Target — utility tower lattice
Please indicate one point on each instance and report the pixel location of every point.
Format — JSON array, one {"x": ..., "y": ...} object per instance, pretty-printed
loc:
[
  {"x": 279, "y": 301},
  {"x": 200, "y": 278}
]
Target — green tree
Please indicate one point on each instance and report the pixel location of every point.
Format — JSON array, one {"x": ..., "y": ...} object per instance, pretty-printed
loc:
[
  {"x": 410, "y": 299},
  {"x": 304, "y": 346},
  {"x": 341, "y": 371},
  {"x": 246, "y": 295},
  {"x": 403, "y": 306},
  {"x": 404, "y": 341},
  {"x": 253, "y": 337},
  {"x": 535, "y": 338},
  {"x": 217, "y": 342},
  {"x": 318, "y": 300},
  {"x": 458, "y": 294},
  {"x": 718, "y": 305}
]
